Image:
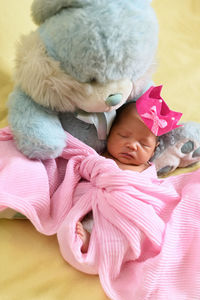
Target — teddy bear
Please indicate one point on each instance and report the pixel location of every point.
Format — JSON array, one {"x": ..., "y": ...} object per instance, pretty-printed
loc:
[{"x": 84, "y": 61}]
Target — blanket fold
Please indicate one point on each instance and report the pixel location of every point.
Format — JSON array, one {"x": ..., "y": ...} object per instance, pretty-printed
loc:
[{"x": 144, "y": 227}]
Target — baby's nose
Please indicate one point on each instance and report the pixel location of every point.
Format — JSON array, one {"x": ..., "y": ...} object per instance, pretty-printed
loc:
[{"x": 133, "y": 145}]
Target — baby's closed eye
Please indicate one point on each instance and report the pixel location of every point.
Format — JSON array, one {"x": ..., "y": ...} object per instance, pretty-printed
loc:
[
  {"x": 145, "y": 145},
  {"x": 123, "y": 135}
]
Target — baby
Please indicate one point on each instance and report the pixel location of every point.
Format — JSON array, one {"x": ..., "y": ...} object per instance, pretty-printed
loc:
[
  {"x": 130, "y": 143},
  {"x": 133, "y": 137}
]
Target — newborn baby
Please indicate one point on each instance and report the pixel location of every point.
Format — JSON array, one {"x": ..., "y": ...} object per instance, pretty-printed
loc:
[{"x": 133, "y": 137}]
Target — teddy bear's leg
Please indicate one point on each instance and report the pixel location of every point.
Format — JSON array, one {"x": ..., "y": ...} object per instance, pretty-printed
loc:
[
  {"x": 37, "y": 130},
  {"x": 178, "y": 148},
  {"x": 9, "y": 213}
]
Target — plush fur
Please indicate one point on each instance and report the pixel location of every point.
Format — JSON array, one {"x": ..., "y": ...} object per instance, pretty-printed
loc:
[
  {"x": 41, "y": 77},
  {"x": 102, "y": 40}
]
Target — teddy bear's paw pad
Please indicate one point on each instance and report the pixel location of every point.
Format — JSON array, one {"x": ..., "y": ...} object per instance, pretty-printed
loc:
[
  {"x": 189, "y": 153},
  {"x": 196, "y": 153},
  {"x": 187, "y": 147},
  {"x": 165, "y": 170}
]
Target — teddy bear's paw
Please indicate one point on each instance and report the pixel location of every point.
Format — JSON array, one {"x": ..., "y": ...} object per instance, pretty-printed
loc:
[
  {"x": 42, "y": 148},
  {"x": 183, "y": 154},
  {"x": 178, "y": 149},
  {"x": 37, "y": 130}
]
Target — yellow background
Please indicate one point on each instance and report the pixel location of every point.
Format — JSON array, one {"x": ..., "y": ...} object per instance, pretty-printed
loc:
[{"x": 30, "y": 263}]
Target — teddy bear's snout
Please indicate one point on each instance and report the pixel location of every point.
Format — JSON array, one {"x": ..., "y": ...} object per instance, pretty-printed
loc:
[{"x": 114, "y": 99}]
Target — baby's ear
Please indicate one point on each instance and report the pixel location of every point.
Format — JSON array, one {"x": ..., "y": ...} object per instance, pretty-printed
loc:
[
  {"x": 44, "y": 9},
  {"x": 157, "y": 144}
]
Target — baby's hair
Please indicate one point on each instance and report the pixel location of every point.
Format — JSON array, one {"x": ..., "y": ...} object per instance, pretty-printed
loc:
[{"x": 122, "y": 110}]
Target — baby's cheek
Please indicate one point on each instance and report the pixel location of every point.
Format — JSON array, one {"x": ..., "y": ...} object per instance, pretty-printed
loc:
[{"x": 119, "y": 142}]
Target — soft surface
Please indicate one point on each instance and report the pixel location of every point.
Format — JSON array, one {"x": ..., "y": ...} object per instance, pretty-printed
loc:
[
  {"x": 32, "y": 264},
  {"x": 142, "y": 224}
]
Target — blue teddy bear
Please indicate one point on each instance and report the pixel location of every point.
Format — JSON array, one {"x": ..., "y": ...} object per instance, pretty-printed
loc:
[
  {"x": 82, "y": 63},
  {"x": 86, "y": 59}
]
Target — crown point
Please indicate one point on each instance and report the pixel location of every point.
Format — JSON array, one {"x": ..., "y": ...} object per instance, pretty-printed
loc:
[{"x": 155, "y": 113}]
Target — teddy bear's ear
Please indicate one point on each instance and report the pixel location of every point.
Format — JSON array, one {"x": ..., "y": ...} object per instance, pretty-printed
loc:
[{"x": 44, "y": 9}]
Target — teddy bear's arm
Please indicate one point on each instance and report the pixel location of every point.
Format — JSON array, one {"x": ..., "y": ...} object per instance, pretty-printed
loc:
[{"x": 37, "y": 131}]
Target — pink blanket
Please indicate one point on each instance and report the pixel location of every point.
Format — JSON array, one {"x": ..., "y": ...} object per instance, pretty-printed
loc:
[{"x": 146, "y": 236}]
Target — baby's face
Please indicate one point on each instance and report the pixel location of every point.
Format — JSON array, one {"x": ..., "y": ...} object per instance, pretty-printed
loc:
[{"x": 130, "y": 141}]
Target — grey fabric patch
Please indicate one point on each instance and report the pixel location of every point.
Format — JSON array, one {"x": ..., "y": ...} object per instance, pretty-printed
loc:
[
  {"x": 83, "y": 131},
  {"x": 187, "y": 147},
  {"x": 19, "y": 216},
  {"x": 196, "y": 153},
  {"x": 164, "y": 170}
]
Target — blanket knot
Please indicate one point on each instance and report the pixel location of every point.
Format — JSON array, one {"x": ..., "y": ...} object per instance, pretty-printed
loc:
[{"x": 98, "y": 170}]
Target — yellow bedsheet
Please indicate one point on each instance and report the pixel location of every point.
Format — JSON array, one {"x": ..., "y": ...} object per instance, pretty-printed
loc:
[{"x": 30, "y": 263}]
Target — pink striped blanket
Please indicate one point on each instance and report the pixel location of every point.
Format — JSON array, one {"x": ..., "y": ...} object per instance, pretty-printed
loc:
[{"x": 145, "y": 239}]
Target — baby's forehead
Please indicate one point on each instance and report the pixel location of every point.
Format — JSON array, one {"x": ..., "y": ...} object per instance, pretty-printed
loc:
[{"x": 131, "y": 122}]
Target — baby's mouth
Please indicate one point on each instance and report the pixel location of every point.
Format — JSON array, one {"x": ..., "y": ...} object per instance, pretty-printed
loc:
[{"x": 127, "y": 155}]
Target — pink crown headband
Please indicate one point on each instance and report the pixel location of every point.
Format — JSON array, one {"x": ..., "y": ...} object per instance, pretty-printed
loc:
[{"x": 155, "y": 113}]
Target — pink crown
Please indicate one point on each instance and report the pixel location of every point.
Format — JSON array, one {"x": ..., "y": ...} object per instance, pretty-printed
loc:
[{"x": 155, "y": 113}]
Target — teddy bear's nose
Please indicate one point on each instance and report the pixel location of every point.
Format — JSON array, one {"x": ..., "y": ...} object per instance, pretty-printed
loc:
[{"x": 114, "y": 99}]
